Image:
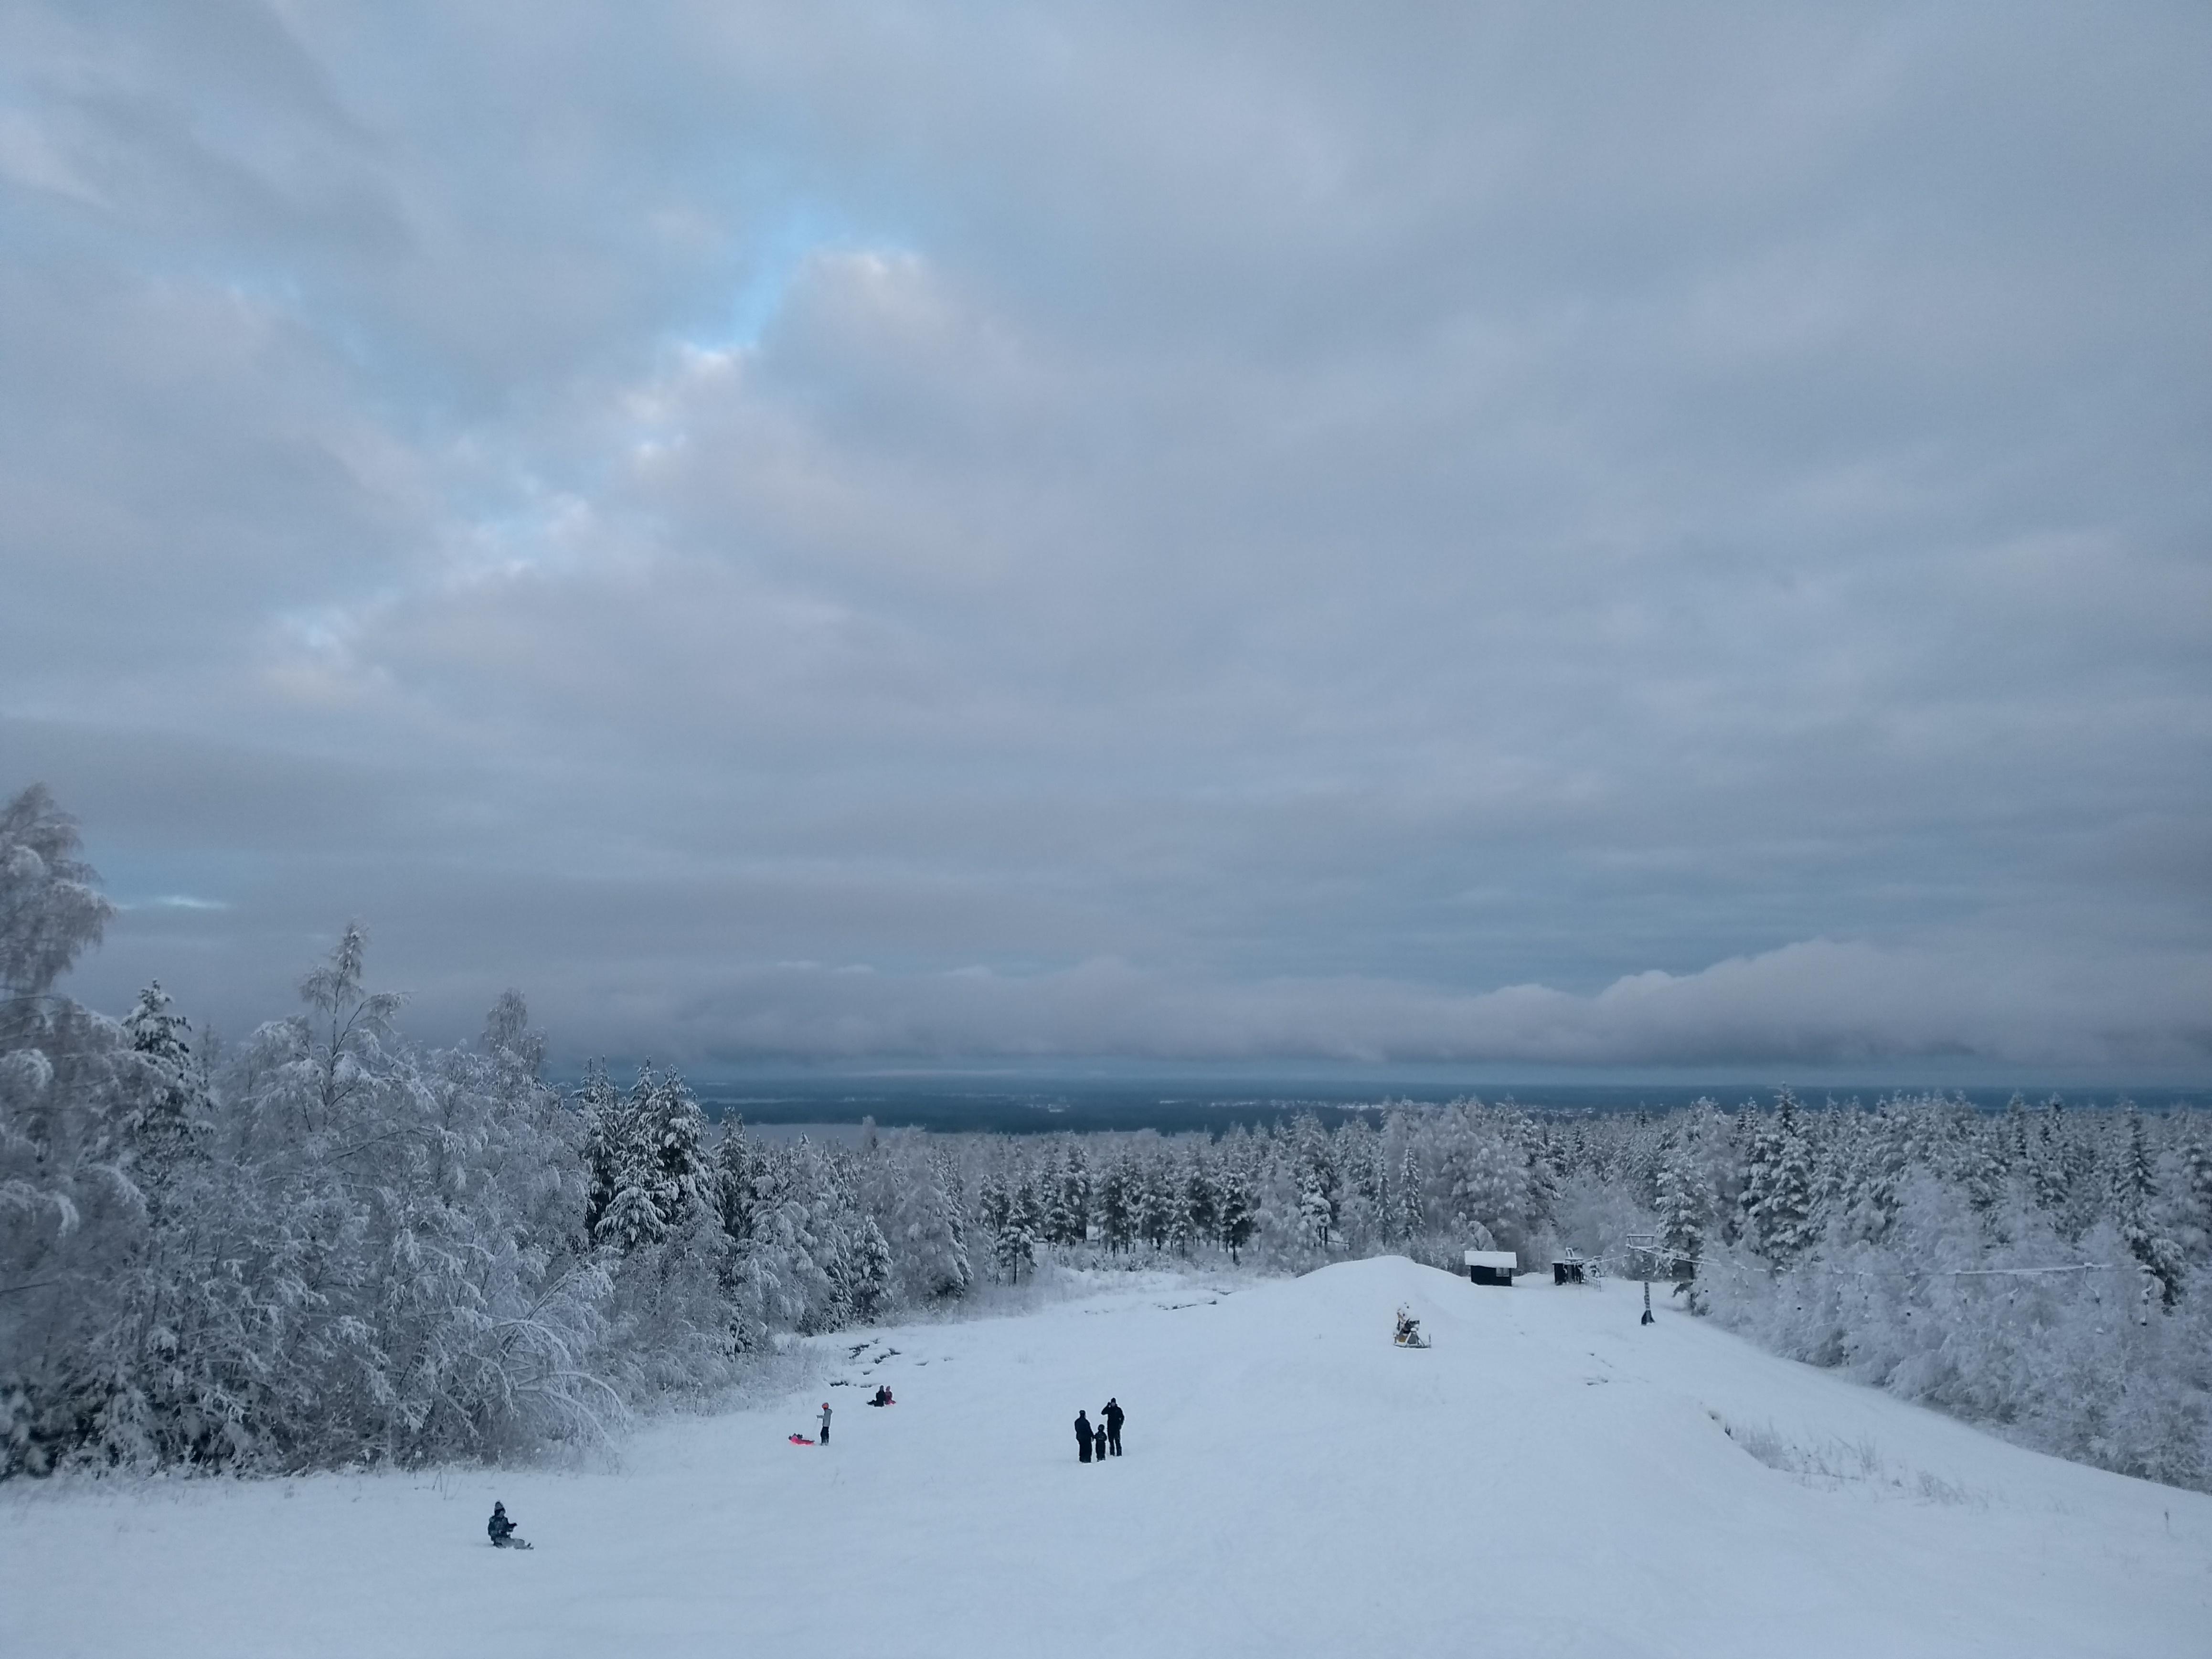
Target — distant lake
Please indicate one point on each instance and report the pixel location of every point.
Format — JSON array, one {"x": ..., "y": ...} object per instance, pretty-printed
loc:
[{"x": 1088, "y": 1106}]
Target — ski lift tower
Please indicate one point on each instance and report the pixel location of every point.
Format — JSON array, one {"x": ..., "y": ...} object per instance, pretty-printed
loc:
[{"x": 1646, "y": 1251}]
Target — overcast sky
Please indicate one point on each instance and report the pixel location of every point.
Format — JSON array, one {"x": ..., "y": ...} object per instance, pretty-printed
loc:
[{"x": 1616, "y": 535}]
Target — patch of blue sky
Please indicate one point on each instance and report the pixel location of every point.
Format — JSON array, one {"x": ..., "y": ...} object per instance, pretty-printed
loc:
[
  {"x": 776, "y": 253},
  {"x": 186, "y": 882}
]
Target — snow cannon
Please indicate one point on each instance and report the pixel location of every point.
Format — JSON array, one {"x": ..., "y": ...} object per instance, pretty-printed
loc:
[{"x": 1408, "y": 1334}]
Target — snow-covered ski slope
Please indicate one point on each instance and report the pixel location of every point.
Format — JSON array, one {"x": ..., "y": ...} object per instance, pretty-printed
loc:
[{"x": 1548, "y": 1480}]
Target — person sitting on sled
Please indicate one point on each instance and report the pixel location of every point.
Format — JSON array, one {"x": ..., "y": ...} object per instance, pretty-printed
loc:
[
  {"x": 883, "y": 1396},
  {"x": 501, "y": 1528}
]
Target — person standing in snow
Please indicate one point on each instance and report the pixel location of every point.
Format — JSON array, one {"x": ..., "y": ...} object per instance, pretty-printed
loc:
[
  {"x": 1083, "y": 1437},
  {"x": 1098, "y": 1443},
  {"x": 824, "y": 1438},
  {"x": 1114, "y": 1415}
]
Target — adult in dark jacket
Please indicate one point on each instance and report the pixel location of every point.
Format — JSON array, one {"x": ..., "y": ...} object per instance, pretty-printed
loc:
[
  {"x": 1083, "y": 1437},
  {"x": 1114, "y": 1415}
]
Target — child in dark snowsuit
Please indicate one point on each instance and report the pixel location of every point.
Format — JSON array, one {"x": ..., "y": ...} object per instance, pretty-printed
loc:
[
  {"x": 499, "y": 1527},
  {"x": 1083, "y": 1437},
  {"x": 1098, "y": 1443}
]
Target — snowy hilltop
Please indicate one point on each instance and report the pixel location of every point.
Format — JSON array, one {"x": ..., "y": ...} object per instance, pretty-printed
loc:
[
  {"x": 326, "y": 1247},
  {"x": 1550, "y": 1477}
]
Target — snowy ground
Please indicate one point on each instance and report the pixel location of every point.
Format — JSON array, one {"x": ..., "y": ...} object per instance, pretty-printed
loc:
[{"x": 1548, "y": 1480}]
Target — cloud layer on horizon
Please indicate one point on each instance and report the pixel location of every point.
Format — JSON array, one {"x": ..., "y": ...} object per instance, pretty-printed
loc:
[{"x": 1505, "y": 536}]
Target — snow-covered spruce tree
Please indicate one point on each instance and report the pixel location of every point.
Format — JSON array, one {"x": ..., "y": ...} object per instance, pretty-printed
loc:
[
  {"x": 869, "y": 1279},
  {"x": 1117, "y": 1204},
  {"x": 1200, "y": 1212},
  {"x": 1068, "y": 1199},
  {"x": 1541, "y": 1187},
  {"x": 1875, "y": 1160},
  {"x": 1318, "y": 1183},
  {"x": 647, "y": 1158},
  {"x": 1236, "y": 1212},
  {"x": 1485, "y": 1177},
  {"x": 2049, "y": 1172},
  {"x": 994, "y": 1202},
  {"x": 1014, "y": 1240},
  {"x": 2193, "y": 1201},
  {"x": 1409, "y": 1217},
  {"x": 931, "y": 1232},
  {"x": 162, "y": 1118},
  {"x": 1158, "y": 1201},
  {"x": 1682, "y": 1208},
  {"x": 1778, "y": 1193},
  {"x": 2136, "y": 1210},
  {"x": 751, "y": 1291}
]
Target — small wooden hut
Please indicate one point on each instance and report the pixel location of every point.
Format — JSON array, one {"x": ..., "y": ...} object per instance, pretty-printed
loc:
[{"x": 1491, "y": 1268}]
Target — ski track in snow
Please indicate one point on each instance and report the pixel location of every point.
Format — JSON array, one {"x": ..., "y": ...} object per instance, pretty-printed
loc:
[{"x": 1550, "y": 1480}]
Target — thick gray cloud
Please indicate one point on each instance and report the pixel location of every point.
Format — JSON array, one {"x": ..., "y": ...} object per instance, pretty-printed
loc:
[{"x": 1522, "y": 535}]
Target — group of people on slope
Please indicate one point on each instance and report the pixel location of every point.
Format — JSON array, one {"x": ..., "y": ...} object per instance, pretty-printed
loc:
[{"x": 1104, "y": 1440}]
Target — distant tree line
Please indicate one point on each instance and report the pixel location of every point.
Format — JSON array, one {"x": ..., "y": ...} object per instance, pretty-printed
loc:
[{"x": 325, "y": 1247}]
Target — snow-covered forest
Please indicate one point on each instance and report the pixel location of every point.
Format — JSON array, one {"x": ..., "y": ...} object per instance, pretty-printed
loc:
[{"x": 322, "y": 1246}]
